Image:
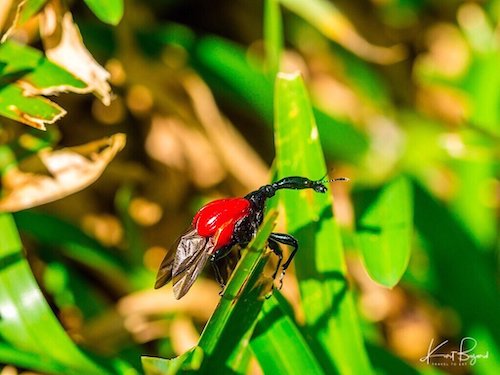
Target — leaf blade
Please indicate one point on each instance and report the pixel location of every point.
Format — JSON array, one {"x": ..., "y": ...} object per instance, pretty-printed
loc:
[
  {"x": 278, "y": 344},
  {"x": 385, "y": 228},
  {"x": 321, "y": 269},
  {"x": 28, "y": 323},
  {"x": 229, "y": 329},
  {"x": 109, "y": 11}
]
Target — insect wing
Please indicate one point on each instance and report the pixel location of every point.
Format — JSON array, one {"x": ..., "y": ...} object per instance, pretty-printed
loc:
[
  {"x": 193, "y": 252},
  {"x": 165, "y": 272}
]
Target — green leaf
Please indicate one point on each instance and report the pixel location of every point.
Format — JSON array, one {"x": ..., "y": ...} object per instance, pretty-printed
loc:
[
  {"x": 385, "y": 229},
  {"x": 475, "y": 171},
  {"x": 30, "y": 110},
  {"x": 225, "y": 338},
  {"x": 27, "y": 320},
  {"x": 28, "y": 9},
  {"x": 190, "y": 360},
  {"x": 20, "y": 358},
  {"x": 273, "y": 35},
  {"x": 109, "y": 11},
  {"x": 34, "y": 70},
  {"x": 278, "y": 343},
  {"x": 28, "y": 74},
  {"x": 326, "y": 299}
]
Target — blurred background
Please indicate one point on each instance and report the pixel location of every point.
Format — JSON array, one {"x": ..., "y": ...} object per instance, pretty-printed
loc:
[{"x": 398, "y": 87}]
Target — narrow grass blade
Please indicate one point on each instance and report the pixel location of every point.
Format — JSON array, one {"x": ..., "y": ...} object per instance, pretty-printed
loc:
[
  {"x": 385, "y": 229},
  {"x": 27, "y": 320},
  {"x": 226, "y": 336},
  {"x": 278, "y": 344},
  {"x": 331, "y": 319},
  {"x": 273, "y": 35}
]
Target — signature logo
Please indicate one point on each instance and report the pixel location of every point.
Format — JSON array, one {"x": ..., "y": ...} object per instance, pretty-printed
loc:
[{"x": 436, "y": 355}]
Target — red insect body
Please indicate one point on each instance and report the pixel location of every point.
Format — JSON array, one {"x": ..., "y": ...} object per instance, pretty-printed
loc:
[
  {"x": 217, "y": 219},
  {"x": 221, "y": 224}
]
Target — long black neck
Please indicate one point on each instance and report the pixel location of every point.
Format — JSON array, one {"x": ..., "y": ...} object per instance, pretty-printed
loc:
[{"x": 258, "y": 197}]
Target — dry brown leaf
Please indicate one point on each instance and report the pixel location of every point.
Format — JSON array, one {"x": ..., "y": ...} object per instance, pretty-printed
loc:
[
  {"x": 199, "y": 303},
  {"x": 178, "y": 145},
  {"x": 236, "y": 154},
  {"x": 71, "y": 169},
  {"x": 64, "y": 46},
  {"x": 9, "y": 14}
]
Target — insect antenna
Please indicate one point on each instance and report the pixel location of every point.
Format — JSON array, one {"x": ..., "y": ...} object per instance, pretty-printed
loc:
[{"x": 336, "y": 179}]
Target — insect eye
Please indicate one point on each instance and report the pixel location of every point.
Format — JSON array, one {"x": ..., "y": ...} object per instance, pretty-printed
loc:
[{"x": 320, "y": 188}]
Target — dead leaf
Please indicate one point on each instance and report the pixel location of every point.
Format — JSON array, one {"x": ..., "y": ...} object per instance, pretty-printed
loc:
[
  {"x": 16, "y": 13},
  {"x": 233, "y": 150},
  {"x": 70, "y": 170},
  {"x": 64, "y": 46}
]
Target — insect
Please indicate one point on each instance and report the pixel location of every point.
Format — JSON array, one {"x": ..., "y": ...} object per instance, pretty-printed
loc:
[{"x": 220, "y": 225}]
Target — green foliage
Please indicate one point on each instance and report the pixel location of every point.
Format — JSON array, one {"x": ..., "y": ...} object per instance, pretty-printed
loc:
[
  {"x": 28, "y": 322},
  {"x": 321, "y": 270},
  {"x": 278, "y": 343},
  {"x": 109, "y": 11},
  {"x": 385, "y": 230},
  {"x": 408, "y": 252},
  {"x": 26, "y": 69}
]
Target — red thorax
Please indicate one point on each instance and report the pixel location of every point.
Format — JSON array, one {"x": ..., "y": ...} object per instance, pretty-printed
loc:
[{"x": 217, "y": 219}]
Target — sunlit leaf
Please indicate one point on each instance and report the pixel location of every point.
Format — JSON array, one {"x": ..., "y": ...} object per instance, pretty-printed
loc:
[
  {"x": 273, "y": 35},
  {"x": 35, "y": 73},
  {"x": 384, "y": 229},
  {"x": 33, "y": 111},
  {"x": 64, "y": 46},
  {"x": 70, "y": 170},
  {"x": 109, "y": 11},
  {"x": 18, "y": 357},
  {"x": 327, "y": 302},
  {"x": 27, "y": 320},
  {"x": 27, "y": 74}
]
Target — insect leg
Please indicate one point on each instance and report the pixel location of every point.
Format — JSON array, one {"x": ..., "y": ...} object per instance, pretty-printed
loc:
[
  {"x": 218, "y": 275},
  {"x": 275, "y": 247},
  {"x": 285, "y": 239},
  {"x": 222, "y": 252}
]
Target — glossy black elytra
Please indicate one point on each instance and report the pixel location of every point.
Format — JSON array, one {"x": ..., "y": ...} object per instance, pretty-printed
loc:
[{"x": 222, "y": 224}]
